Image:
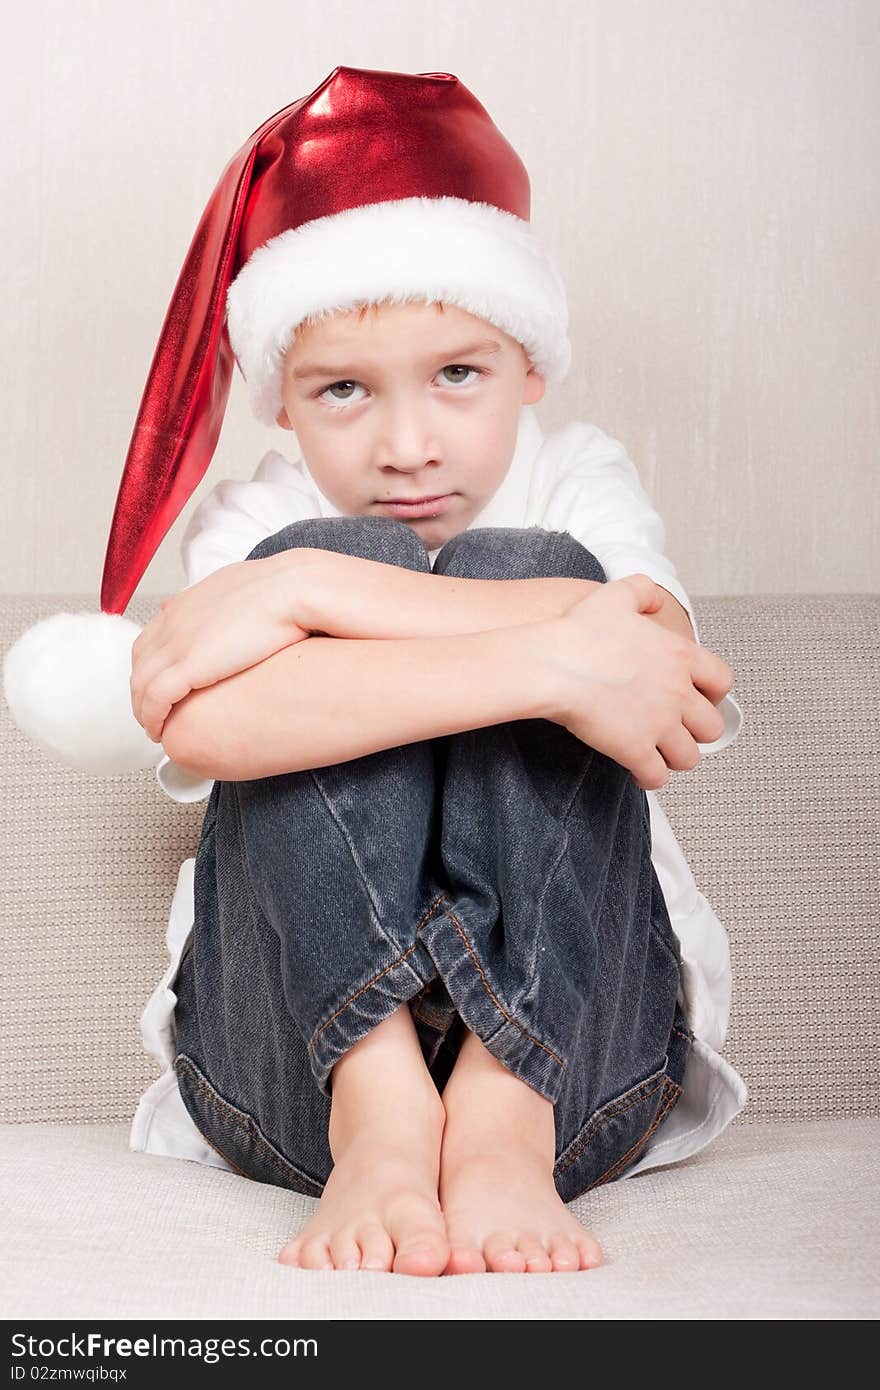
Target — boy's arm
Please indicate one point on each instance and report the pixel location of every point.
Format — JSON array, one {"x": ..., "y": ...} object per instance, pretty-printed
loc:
[
  {"x": 348, "y": 596},
  {"x": 222, "y": 730},
  {"x": 323, "y": 701},
  {"x": 344, "y": 595}
]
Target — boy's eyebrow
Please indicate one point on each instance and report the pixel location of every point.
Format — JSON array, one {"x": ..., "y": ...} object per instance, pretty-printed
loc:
[{"x": 309, "y": 369}]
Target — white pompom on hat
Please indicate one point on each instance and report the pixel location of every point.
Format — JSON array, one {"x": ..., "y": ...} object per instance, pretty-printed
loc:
[
  {"x": 289, "y": 236},
  {"x": 78, "y": 711}
]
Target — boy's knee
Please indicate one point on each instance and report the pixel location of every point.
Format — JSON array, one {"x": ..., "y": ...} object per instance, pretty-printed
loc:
[
  {"x": 382, "y": 538},
  {"x": 518, "y": 552}
]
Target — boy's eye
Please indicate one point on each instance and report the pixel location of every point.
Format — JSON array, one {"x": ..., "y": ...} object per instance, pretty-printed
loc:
[
  {"x": 459, "y": 367},
  {"x": 339, "y": 402},
  {"x": 332, "y": 387}
]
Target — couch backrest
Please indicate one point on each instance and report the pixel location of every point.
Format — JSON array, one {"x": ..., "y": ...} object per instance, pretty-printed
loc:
[{"x": 781, "y": 831}]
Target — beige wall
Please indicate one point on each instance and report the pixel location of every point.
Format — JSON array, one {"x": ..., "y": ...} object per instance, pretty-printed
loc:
[{"x": 706, "y": 175}]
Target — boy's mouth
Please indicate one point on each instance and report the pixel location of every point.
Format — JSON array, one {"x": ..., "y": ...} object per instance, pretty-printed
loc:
[{"x": 425, "y": 506}]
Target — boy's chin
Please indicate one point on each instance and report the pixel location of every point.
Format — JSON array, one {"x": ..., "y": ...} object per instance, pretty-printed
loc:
[
  {"x": 436, "y": 531},
  {"x": 431, "y": 536}
]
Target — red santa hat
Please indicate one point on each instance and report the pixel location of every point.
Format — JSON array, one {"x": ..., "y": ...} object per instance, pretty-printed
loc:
[{"x": 377, "y": 186}]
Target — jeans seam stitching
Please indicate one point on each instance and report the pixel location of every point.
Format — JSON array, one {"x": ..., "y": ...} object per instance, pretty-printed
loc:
[
  {"x": 248, "y": 1124},
  {"x": 611, "y": 1111},
  {"x": 609, "y": 1174},
  {"x": 391, "y": 966},
  {"x": 499, "y": 1006}
]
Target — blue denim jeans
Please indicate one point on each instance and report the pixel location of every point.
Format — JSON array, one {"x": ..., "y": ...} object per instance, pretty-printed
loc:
[{"x": 498, "y": 880}]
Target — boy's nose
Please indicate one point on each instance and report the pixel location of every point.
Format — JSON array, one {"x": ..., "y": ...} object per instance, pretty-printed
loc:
[{"x": 406, "y": 442}]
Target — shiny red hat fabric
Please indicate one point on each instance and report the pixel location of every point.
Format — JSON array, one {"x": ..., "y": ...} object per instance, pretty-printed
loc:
[{"x": 361, "y": 137}]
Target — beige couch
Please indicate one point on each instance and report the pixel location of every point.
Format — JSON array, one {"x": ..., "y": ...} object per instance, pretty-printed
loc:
[{"x": 776, "y": 1219}]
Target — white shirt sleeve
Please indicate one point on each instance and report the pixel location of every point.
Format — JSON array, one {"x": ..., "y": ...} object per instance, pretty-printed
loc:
[
  {"x": 600, "y": 501},
  {"x": 235, "y": 516},
  {"x": 224, "y": 528},
  {"x": 181, "y": 784}
]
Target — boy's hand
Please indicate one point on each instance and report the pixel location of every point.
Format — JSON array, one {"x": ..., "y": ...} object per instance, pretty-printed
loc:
[
  {"x": 237, "y": 617},
  {"x": 632, "y": 689}
]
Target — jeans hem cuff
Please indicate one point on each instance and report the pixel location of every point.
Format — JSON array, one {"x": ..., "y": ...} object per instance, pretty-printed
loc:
[
  {"x": 469, "y": 987},
  {"x": 334, "y": 1038}
]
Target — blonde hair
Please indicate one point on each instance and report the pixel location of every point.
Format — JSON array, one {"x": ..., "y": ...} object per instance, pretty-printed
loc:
[{"x": 363, "y": 310}]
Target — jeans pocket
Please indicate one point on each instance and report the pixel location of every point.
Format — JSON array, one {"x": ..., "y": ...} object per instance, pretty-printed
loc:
[
  {"x": 615, "y": 1135},
  {"x": 235, "y": 1134}
]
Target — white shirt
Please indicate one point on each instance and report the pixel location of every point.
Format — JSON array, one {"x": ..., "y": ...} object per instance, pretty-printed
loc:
[{"x": 577, "y": 480}]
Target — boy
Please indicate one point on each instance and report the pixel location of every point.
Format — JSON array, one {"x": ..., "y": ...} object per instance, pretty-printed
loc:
[
  {"x": 424, "y": 1184},
  {"x": 547, "y": 1095}
]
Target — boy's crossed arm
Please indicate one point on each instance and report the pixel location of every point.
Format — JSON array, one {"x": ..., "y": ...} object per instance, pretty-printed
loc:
[
  {"x": 367, "y": 599},
  {"x": 455, "y": 654}
]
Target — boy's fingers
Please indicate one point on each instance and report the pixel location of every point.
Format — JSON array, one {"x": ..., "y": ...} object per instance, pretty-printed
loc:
[
  {"x": 145, "y": 671},
  {"x": 160, "y": 698},
  {"x": 703, "y": 718},
  {"x": 648, "y": 593},
  {"x": 679, "y": 749},
  {"x": 711, "y": 674},
  {"x": 652, "y": 772}
]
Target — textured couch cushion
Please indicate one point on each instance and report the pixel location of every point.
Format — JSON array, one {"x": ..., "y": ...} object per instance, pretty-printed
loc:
[
  {"x": 781, "y": 831},
  {"x": 774, "y": 1221}
]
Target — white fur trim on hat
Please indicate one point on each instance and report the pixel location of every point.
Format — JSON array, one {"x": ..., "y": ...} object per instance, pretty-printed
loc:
[
  {"x": 67, "y": 685},
  {"x": 474, "y": 255}
]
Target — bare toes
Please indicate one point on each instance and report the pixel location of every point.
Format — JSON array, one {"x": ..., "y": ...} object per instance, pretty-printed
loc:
[
  {"x": 315, "y": 1254},
  {"x": 590, "y": 1253},
  {"x": 502, "y": 1255},
  {"x": 465, "y": 1258},
  {"x": 290, "y": 1254},
  {"x": 345, "y": 1251},
  {"x": 535, "y": 1255},
  {"x": 423, "y": 1252},
  {"x": 377, "y": 1247},
  {"x": 564, "y": 1253}
]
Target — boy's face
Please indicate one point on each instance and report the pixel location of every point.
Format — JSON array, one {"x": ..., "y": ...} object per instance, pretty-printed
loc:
[{"x": 404, "y": 406}]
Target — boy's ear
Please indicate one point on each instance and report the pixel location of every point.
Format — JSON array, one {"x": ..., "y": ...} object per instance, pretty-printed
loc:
[
  {"x": 283, "y": 419},
  {"x": 534, "y": 388}
]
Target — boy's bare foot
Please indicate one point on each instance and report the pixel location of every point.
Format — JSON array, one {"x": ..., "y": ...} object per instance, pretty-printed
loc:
[
  {"x": 502, "y": 1210},
  {"x": 379, "y": 1208}
]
